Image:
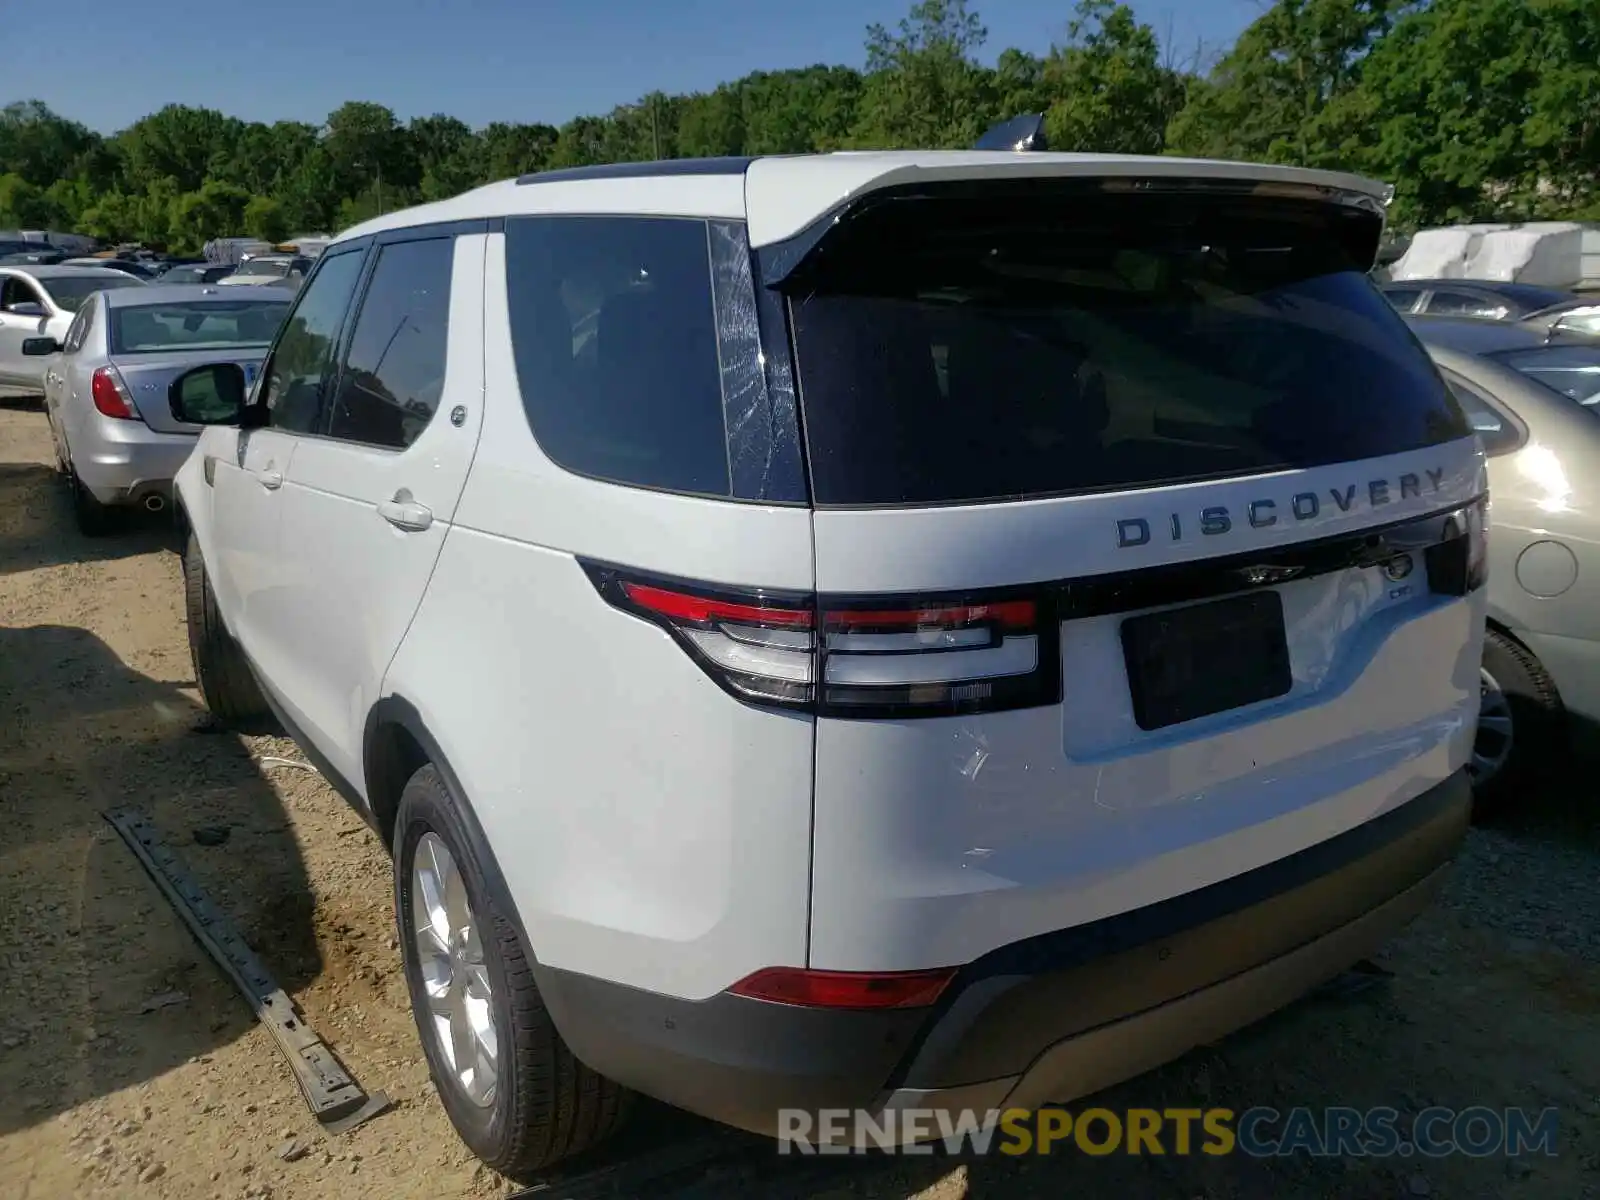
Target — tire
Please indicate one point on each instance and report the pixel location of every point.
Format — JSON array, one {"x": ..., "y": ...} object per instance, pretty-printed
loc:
[
  {"x": 93, "y": 518},
  {"x": 220, "y": 669},
  {"x": 1537, "y": 724},
  {"x": 545, "y": 1105}
]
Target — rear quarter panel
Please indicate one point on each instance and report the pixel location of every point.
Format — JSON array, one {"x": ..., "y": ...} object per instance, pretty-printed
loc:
[{"x": 652, "y": 830}]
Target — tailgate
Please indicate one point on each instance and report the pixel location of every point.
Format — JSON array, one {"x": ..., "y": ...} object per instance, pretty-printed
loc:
[{"x": 1147, "y": 550}]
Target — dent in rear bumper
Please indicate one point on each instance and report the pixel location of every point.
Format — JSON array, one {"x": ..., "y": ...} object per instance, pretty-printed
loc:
[{"x": 1049, "y": 1018}]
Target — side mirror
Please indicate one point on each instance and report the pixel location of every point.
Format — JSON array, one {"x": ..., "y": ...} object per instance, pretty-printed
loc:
[
  {"x": 27, "y": 308},
  {"x": 40, "y": 347},
  {"x": 212, "y": 394}
]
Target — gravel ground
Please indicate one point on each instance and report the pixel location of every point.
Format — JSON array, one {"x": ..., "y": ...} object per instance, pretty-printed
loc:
[{"x": 129, "y": 1067}]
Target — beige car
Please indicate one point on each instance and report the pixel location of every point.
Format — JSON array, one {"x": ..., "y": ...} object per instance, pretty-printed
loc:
[{"x": 1535, "y": 402}]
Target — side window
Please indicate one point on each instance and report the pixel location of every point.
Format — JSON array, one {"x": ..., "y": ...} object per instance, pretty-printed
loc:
[
  {"x": 1404, "y": 299},
  {"x": 1488, "y": 422},
  {"x": 1465, "y": 304},
  {"x": 17, "y": 290},
  {"x": 615, "y": 336},
  {"x": 301, "y": 361},
  {"x": 79, "y": 329},
  {"x": 394, "y": 371}
]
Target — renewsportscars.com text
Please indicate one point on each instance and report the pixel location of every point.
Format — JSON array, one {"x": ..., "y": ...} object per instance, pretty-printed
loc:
[{"x": 1262, "y": 1132}]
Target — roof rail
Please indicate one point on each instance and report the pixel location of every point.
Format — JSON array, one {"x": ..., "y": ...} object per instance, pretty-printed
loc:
[{"x": 1025, "y": 132}]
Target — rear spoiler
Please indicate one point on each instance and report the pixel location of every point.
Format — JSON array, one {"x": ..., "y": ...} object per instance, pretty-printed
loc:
[{"x": 1019, "y": 133}]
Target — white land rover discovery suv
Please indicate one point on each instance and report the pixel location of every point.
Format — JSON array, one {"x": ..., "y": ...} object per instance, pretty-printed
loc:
[{"x": 856, "y": 631}]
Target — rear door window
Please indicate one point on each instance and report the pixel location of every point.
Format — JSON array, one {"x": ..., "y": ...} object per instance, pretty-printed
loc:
[
  {"x": 296, "y": 374},
  {"x": 615, "y": 337},
  {"x": 1013, "y": 343},
  {"x": 393, "y": 372}
]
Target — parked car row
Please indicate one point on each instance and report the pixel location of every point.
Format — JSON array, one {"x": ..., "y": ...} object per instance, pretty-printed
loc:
[
  {"x": 1549, "y": 311},
  {"x": 954, "y": 646}
]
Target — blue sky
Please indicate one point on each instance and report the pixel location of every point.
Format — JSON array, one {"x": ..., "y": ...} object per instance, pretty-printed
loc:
[{"x": 480, "y": 60}]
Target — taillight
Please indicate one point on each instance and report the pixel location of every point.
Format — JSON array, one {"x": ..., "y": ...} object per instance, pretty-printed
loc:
[
  {"x": 935, "y": 656},
  {"x": 1458, "y": 564},
  {"x": 761, "y": 647},
  {"x": 111, "y": 396},
  {"x": 855, "y": 656},
  {"x": 844, "y": 989}
]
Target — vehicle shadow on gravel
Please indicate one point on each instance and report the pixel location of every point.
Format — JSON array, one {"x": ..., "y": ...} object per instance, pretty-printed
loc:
[
  {"x": 37, "y": 530},
  {"x": 103, "y": 985}
]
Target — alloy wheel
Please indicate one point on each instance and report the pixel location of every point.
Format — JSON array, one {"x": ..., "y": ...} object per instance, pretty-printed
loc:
[{"x": 448, "y": 939}]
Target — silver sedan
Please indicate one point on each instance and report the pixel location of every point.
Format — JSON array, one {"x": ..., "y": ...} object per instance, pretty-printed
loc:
[
  {"x": 106, "y": 384},
  {"x": 1535, "y": 402}
]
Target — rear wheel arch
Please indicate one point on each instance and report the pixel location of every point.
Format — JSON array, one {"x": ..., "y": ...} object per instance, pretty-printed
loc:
[{"x": 396, "y": 744}]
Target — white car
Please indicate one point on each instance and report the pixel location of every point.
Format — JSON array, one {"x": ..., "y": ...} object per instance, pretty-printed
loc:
[
  {"x": 280, "y": 269},
  {"x": 930, "y": 630},
  {"x": 40, "y": 302}
]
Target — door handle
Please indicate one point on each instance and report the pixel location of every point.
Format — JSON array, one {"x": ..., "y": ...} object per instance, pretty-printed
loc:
[
  {"x": 405, "y": 513},
  {"x": 270, "y": 479}
]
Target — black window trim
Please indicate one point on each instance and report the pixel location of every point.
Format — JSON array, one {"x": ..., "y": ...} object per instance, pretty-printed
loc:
[
  {"x": 790, "y": 485},
  {"x": 1513, "y": 422},
  {"x": 435, "y": 231},
  {"x": 359, "y": 246},
  {"x": 79, "y": 327}
]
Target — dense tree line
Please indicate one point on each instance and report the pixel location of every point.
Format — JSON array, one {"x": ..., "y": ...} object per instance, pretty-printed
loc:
[{"x": 1473, "y": 109}]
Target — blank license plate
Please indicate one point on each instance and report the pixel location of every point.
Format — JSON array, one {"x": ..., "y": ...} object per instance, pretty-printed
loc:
[{"x": 1191, "y": 662}]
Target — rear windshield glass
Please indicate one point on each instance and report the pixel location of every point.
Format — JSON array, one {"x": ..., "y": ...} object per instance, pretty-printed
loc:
[
  {"x": 1015, "y": 343},
  {"x": 195, "y": 325},
  {"x": 70, "y": 293},
  {"x": 1574, "y": 371},
  {"x": 264, "y": 266}
]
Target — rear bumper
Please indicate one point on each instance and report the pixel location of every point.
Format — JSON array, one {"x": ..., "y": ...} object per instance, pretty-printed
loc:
[
  {"x": 123, "y": 462},
  {"x": 1051, "y": 1018}
]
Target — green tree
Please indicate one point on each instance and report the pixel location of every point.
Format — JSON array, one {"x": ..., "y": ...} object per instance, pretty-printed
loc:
[
  {"x": 367, "y": 150},
  {"x": 24, "y": 205},
  {"x": 512, "y": 150},
  {"x": 194, "y": 218},
  {"x": 712, "y": 123},
  {"x": 40, "y": 147},
  {"x": 1269, "y": 98},
  {"x": 1472, "y": 108},
  {"x": 264, "y": 218},
  {"x": 1106, "y": 87},
  {"x": 800, "y": 111},
  {"x": 924, "y": 89},
  {"x": 178, "y": 143},
  {"x": 449, "y": 154},
  {"x": 1480, "y": 109}
]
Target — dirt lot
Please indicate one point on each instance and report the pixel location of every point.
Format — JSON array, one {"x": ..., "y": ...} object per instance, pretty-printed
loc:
[{"x": 129, "y": 1067}]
